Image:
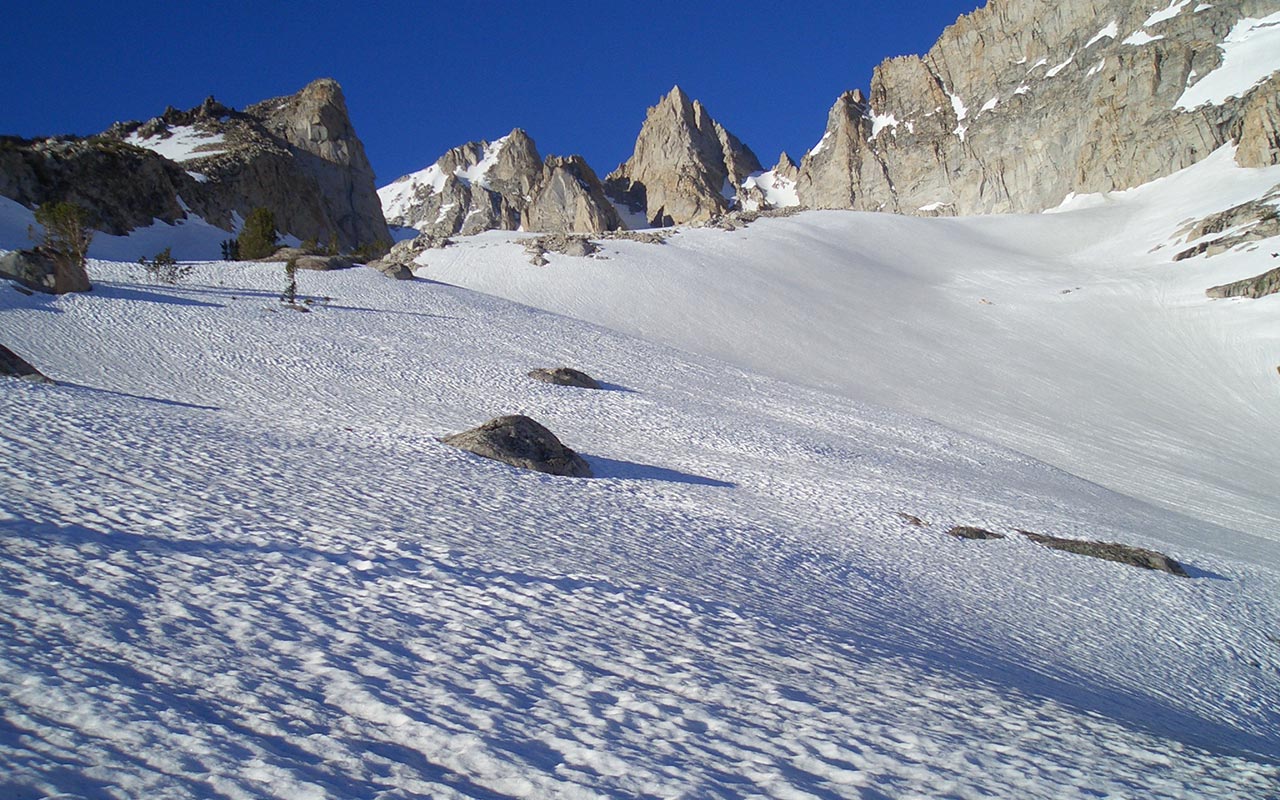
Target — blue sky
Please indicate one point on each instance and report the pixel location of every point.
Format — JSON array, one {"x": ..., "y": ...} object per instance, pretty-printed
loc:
[{"x": 422, "y": 77}]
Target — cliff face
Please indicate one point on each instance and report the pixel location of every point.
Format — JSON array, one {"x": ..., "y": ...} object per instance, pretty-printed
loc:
[
  {"x": 297, "y": 155},
  {"x": 1024, "y": 101},
  {"x": 686, "y": 167}
]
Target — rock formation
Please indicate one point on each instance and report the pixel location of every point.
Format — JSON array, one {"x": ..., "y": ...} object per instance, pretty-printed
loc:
[
  {"x": 521, "y": 442},
  {"x": 1024, "y": 101},
  {"x": 565, "y": 376},
  {"x": 1110, "y": 551},
  {"x": 298, "y": 156},
  {"x": 503, "y": 185},
  {"x": 686, "y": 167},
  {"x": 44, "y": 270},
  {"x": 15, "y": 366}
]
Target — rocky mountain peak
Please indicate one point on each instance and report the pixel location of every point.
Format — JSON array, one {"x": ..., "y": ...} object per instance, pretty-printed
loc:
[
  {"x": 685, "y": 167},
  {"x": 1022, "y": 102},
  {"x": 786, "y": 167},
  {"x": 504, "y": 185}
]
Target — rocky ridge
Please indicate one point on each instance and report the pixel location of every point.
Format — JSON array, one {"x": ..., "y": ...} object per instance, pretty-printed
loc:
[
  {"x": 686, "y": 167},
  {"x": 500, "y": 185},
  {"x": 298, "y": 156},
  {"x": 1022, "y": 102}
]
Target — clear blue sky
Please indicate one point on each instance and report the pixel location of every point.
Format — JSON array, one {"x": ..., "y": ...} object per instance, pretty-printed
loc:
[{"x": 422, "y": 77}]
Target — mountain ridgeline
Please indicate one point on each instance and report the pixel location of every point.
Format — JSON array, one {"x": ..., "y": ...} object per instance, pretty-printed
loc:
[{"x": 1018, "y": 105}]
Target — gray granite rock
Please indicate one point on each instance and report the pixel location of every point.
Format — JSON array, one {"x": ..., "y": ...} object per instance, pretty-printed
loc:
[
  {"x": 44, "y": 271},
  {"x": 521, "y": 442},
  {"x": 565, "y": 376},
  {"x": 14, "y": 366}
]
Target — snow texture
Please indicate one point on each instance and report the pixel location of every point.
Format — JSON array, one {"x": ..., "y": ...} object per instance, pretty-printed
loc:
[{"x": 1111, "y": 31}]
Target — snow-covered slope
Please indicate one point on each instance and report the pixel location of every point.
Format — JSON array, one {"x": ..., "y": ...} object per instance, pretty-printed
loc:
[
  {"x": 236, "y": 562},
  {"x": 1072, "y": 336}
]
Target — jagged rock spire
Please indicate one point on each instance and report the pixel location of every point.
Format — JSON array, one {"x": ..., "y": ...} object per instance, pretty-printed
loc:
[{"x": 685, "y": 166}]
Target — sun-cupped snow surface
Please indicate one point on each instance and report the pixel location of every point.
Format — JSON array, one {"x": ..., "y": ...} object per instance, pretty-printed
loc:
[
  {"x": 236, "y": 561},
  {"x": 1250, "y": 54},
  {"x": 180, "y": 143},
  {"x": 1070, "y": 337}
]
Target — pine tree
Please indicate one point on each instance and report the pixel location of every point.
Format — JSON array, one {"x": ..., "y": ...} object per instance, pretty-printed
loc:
[{"x": 258, "y": 237}]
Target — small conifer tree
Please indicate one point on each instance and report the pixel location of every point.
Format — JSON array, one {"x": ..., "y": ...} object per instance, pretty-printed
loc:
[
  {"x": 258, "y": 238},
  {"x": 66, "y": 236}
]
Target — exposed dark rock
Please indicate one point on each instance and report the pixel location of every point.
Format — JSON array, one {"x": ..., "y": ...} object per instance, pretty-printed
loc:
[
  {"x": 1110, "y": 551},
  {"x": 1255, "y": 287},
  {"x": 1248, "y": 222},
  {"x": 910, "y": 519},
  {"x": 971, "y": 532},
  {"x": 392, "y": 269},
  {"x": 521, "y": 442},
  {"x": 40, "y": 269},
  {"x": 13, "y": 365},
  {"x": 564, "y": 376}
]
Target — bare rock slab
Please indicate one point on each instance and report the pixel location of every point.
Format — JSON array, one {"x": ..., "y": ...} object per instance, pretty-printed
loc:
[
  {"x": 14, "y": 366},
  {"x": 972, "y": 532},
  {"x": 1110, "y": 551},
  {"x": 521, "y": 442},
  {"x": 565, "y": 376}
]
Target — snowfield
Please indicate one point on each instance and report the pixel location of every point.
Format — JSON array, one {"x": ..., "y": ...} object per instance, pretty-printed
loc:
[{"x": 236, "y": 562}]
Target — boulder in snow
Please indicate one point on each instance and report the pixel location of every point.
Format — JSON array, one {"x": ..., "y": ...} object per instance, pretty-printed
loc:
[
  {"x": 971, "y": 532},
  {"x": 521, "y": 442},
  {"x": 1110, "y": 551},
  {"x": 39, "y": 269},
  {"x": 564, "y": 376},
  {"x": 13, "y": 365}
]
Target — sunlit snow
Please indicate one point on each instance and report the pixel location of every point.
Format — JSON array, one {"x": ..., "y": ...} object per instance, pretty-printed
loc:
[{"x": 1250, "y": 54}]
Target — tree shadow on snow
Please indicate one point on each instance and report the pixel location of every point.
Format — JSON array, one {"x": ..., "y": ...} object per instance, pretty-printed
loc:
[
  {"x": 603, "y": 467},
  {"x": 160, "y": 400},
  {"x": 121, "y": 291}
]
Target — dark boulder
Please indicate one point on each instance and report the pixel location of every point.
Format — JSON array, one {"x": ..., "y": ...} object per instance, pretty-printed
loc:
[
  {"x": 1110, "y": 551},
  {"x": 44, "y": 271},
  {"x": 13, "y": 365},
  {"x": 564, "y": 376},
  {"x": 521, "y": 442}
]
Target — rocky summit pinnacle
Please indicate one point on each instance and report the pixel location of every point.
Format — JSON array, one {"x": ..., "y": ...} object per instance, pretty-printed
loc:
[
  {"x": 296, "y": 155},
  {"x": 1022, "y": 102},
  {"x": 686, "y": 166},
  {"x": 502, "y": 185}
]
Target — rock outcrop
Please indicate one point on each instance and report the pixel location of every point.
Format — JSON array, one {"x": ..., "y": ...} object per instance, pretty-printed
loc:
[
  {"x": 15, "y": 366},
  {"x": 564, "y": 376},
  {"x": 1110, "y": 551},
  {"x": 1022, "y": 102},
  {"x": 500, "y": 185},
  {"x": 1253, "y": 288},
  {"x": 298, "y": 156},
  {"x": 686, "y": 167},
  {"x": 521, "y": 442},
  {"x": 44, "y": 271}
]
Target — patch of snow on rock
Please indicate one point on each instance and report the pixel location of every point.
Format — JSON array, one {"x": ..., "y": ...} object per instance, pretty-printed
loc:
[
  {"x": 1139, "y": 38},
  {"x": 1174, "y": 9},
  {"x": 1110, "y": 32},
  {"x": 181, "y": 144},
  {"x": 1250, "y": 53}
]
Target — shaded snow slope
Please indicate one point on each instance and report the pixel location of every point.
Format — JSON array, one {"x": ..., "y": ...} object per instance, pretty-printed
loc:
[
  {"x": 235, "y": 561},
  {"x": 1066, "y": 336}
]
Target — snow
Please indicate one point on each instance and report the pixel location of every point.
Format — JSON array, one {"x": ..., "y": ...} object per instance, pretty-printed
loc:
[
  {"x": 1023, "y": 89},
  {"x": 1096, "y": 68},
  {"x": 236, "y": 561},
  {"x": 989, "y": 105},
  {"x": 1250, "y": 54},
  {"x": 934, "y": 206},
  {"x": 1111, "y": 31},
  {"x": 398, "y": 196},
  {"x": 1060, "y": 67},
  {"x": 779, "y": 190},
  {"x": 1174, "y": 9},
  {"x": 880, "y": 122},
  {"x": 1140, "y": 37},
  {"x": 183, "y": 143},
  {"x": 961, "y": 112}
]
